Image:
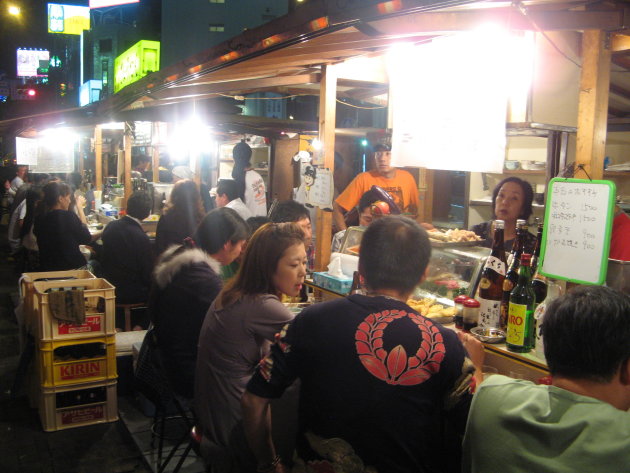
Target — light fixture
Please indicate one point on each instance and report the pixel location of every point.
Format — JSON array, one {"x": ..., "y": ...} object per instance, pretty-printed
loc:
[{"x": 14, "y": 10}]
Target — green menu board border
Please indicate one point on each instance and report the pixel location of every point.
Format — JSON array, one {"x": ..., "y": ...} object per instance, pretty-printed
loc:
[{"x": 609, "y": 218}]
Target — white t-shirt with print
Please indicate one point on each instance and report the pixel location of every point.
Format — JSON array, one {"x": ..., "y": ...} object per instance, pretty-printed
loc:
[{"x": 255, "y": 194}]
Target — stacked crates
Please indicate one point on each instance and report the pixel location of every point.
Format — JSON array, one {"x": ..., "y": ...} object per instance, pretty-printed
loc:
[{"x": 75, "y": 375}]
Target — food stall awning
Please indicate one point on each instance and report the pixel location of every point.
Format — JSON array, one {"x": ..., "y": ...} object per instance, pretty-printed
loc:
[{"x": 286, "y": 55}]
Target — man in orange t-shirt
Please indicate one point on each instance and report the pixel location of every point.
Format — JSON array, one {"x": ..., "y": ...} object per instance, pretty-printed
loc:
[{"x": 398, "y": 183}]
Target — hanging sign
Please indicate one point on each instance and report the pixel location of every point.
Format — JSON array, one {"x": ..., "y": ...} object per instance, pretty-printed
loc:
[{"x": 576, "y": 237}]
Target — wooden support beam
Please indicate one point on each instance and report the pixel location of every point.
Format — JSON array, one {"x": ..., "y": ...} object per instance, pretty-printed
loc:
[
  {"x": 593, "y": 104},
  {"x": 327, "y": 117},
  {"x": 619, "y": 42},
  {"x": 155, "y": 152},
  {"x": 98, "y": 157},
  {"x": 127, "y": 148}
]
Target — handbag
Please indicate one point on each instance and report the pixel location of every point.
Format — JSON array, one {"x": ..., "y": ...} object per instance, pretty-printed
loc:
[{"x": 149, "y": 374}]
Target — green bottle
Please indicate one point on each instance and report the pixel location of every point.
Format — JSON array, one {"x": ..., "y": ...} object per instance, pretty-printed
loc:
[{"x": 520, "y": 329}]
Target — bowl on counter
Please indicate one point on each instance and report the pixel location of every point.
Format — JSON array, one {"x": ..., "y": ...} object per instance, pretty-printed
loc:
[
  {"x": 511, "y": 164},
  {"x": 533, "y": 165},
  {"x": 488, "y": 335}
]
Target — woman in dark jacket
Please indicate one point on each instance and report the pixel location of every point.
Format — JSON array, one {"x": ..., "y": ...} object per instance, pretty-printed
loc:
[
  {"x": 59, "y": 231},
  {"x": 180, "y": 217},
  {"x": 187, "y": 278}
]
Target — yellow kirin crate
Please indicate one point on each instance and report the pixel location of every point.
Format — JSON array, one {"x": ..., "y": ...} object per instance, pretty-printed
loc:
[
  {"x": 75, "y": 406},
  {"x": 100, "y": 310},
  {"x": 27, "y": 291},
  {"x": 83, "y": 360}
]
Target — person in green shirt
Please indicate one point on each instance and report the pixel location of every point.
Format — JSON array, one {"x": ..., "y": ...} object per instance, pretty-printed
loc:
[{"x": 579, "y": 423}]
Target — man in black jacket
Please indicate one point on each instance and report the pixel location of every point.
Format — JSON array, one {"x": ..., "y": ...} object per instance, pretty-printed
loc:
[{"x": 127, "y": 255}]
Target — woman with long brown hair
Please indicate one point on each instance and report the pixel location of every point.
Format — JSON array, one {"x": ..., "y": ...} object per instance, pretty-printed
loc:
[
  {"x": 180, "y": 216},
  {"x": 239, "y": 328}
]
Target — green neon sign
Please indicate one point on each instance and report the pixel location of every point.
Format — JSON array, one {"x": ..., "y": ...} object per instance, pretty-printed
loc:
[{"x": 135, "y": 63}]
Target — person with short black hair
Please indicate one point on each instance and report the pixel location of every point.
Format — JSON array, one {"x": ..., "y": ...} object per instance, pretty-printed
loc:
[
  {"x": 256, "y": 222},
  {"x": 400, "y": 185},
  {"x": 380, "y": 383},
  {"x": 293, "y": 211},
  {"x": 186, "y": 281},
  {"x": 227, "y": 196},
  {"x": 578, "y": 423},
  {"x": 127, "y": 257},
  {"x": 365, "y": 217}
]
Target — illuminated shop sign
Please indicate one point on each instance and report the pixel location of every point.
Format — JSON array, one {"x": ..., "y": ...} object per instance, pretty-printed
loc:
[
  {"x": 138, "y": 61},
  {"x": 110, "y": 3},
  {"x": 30, "y": 60},
  {"x": 68, "y": 19}
]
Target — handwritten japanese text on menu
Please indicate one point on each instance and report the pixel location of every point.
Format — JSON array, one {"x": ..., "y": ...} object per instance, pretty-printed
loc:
[{"x": 577, "y": 229}]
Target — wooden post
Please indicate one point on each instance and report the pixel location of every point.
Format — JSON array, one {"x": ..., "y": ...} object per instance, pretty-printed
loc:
[
  {"x": 127, "y": 146},
  {"x": 327, "y": 117},
  {"x": 593, "y": 104},
  {"x": 155, "y": 152},
  {"x": 98, "y": 157}
]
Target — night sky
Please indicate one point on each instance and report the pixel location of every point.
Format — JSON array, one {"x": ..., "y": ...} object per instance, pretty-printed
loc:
[{"x": 31, "y": 31}]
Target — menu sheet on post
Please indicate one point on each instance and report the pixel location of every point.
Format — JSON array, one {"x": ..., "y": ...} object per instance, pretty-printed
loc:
[{"x": 576, "y": 237}]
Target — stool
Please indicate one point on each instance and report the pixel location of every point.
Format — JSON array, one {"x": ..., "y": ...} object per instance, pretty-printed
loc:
[{"x": 127, "y": 310}]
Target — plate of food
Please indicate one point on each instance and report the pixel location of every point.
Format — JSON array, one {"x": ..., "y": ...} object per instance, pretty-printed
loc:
[
  {"x": 453, "y": 237},
  {"x": 428, "y": 307}
]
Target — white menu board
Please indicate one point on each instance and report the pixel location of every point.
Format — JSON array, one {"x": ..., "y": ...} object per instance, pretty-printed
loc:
[{"x": 576, "y": 237}]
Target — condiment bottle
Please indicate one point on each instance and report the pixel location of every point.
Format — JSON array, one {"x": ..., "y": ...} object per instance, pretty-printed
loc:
[
  {"x": 471, "y": 313},
  {"x": 459, "y": 311}
]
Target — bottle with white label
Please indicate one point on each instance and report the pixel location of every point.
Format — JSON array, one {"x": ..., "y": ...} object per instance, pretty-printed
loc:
[{"x": 491, "y": 282}]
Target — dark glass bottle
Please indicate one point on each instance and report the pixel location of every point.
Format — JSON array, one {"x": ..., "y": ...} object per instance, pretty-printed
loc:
[
  {"x": 491, "y": 282},
  {"x": 536, "y": 253},
  {"x": 520, "y": 330},
  {"x": 511, "y": 276},
  {"x": 539, "y": 281},
  {"x": 357, "y": 286}
]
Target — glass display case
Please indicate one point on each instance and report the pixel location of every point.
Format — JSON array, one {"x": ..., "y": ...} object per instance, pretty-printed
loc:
[
  {"x": 352, "y": 241},
  {"x": 453, "y": 270}
]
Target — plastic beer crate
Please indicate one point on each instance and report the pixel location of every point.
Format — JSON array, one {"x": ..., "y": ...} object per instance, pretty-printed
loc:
[
  {"x": 82, "y": 360},
  {"x": 75, "y": 406},
  {"x": 27, "y": 291},
  {"x": 100, "y": 317}
]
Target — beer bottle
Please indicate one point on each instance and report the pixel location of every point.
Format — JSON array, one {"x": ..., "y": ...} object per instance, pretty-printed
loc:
[
  {"x": 357, "y": 286},
  {"x": 511, "y": 276},
  {"x": 491, "y": 282},
  {"x": 539, "y": 281},
  {"x": 520, "y": 331}
]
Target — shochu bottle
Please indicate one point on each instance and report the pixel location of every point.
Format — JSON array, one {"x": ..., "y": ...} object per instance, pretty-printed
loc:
[
  {"x": 520, "y": 329},
  {"x": 491, "y": 282},
  {"x": 511, "y": 277}
]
